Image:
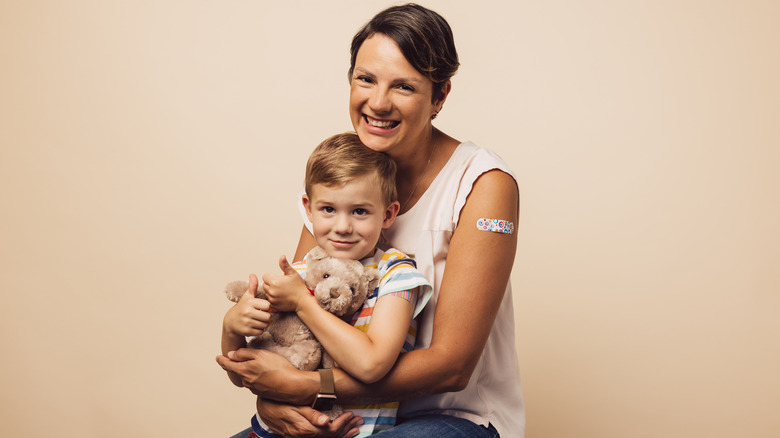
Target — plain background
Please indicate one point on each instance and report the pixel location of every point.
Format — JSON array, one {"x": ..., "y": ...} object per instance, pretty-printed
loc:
[{"x": 152, "y": 151}]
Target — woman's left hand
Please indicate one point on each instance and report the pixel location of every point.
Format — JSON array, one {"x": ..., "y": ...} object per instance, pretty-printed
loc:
[
  {"x": 267, "y": 374},
  {"x": 303, "y": 421}
]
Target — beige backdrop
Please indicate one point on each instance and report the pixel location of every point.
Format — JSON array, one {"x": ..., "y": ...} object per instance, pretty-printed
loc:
[{"x": 152, "y": 150}]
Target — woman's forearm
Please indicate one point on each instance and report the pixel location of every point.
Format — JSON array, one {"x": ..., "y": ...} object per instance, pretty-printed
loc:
[{"x": 415, "y": 374}]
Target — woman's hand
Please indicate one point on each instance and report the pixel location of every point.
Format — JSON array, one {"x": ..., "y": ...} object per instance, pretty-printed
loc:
[
  {"x": 270, "y": 375},
  {"x": 286, "y": 291},
  {"x": 302, "y": 421}
]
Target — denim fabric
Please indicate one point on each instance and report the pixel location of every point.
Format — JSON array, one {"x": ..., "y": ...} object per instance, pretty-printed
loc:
[
  {"x": 242, "y": 434},
  {"x": 428, "y": 426},
  {"x": 439, "y": 426}
]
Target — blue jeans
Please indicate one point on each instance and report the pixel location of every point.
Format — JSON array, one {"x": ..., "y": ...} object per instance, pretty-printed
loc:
[
  {"x": 243, "y": 434},
  {"x": 439, "y": 426},
  {"x": 429, "y": 426}
]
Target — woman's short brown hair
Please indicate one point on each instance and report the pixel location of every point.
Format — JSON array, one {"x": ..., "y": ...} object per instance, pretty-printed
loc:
[
  {"x": 342, "y": 158},
  {"x": 424, "y": 37}
]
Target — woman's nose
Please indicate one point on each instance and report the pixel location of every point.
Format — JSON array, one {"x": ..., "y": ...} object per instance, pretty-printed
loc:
[{"x": 380, "y": 101}]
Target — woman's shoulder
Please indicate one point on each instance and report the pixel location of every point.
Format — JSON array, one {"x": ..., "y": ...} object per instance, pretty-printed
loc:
[
  {"x": 467, "y": 164},
  {"x": 470, "y": 156}
]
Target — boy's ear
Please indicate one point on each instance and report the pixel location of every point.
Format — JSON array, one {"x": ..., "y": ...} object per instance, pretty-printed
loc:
[
  {"x": 307, "y": 205},
  {"x": 390, "y": 213}
]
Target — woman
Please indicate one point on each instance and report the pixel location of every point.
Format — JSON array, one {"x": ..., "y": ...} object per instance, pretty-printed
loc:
[{"x": 462, "y": 378}]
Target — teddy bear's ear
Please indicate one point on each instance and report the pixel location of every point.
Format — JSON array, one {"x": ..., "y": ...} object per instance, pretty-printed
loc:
[
  {"x": 235, "y": 289},
  {"x": 372, "y": 277},
  {"x": 317, "y": 254}
]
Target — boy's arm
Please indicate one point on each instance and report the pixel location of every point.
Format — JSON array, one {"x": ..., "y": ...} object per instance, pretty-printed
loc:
[
  {"x": 231, "y": 343},
  {"x": 367, "y": 356},
  {"x": 248, "y": 317}
]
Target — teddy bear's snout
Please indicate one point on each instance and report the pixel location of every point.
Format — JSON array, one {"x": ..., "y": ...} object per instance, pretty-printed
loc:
[{"x": 341, "y": 290}]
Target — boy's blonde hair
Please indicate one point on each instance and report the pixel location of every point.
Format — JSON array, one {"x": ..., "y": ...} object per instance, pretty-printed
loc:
[{"x": 343, "y": 158}]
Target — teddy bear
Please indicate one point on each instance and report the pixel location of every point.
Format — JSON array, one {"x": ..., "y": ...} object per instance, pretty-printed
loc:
[{"x": 339, "y": 285}]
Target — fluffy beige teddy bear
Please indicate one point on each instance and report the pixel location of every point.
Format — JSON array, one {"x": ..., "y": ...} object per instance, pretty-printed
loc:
[{"x": 340, "y": 287}]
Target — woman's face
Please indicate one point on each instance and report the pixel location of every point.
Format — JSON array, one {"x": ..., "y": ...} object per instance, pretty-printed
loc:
[{"x": 389, "y": 100}]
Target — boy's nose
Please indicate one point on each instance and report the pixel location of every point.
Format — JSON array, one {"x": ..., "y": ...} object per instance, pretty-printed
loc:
[{"x": 343, "y": 225}]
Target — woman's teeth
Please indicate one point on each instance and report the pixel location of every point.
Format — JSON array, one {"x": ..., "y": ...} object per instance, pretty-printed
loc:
[{"x": 382, "y": 124}]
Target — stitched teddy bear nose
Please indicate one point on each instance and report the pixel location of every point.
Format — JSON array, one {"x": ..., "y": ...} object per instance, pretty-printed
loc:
[{"x": 334, "y": 293}]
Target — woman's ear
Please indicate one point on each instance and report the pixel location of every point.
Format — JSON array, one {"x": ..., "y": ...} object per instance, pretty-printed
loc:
[
  {"x": 307, "y": 205},
  {"x": 390, "y": 213},
  {"x": 438, "y": 103}
]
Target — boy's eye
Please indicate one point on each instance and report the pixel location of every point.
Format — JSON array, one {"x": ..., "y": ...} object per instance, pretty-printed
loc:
[
  {"x": 360, "y": 211},
  {"x": 328, "y": 209}
]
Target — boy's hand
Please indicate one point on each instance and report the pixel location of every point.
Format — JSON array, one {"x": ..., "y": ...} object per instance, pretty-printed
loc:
[
  {"x": 285, "y": 292},
  {"x": 250, "y": 316}
]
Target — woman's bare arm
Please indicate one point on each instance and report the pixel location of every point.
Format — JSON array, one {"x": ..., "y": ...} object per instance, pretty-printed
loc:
[
  {"x": 305, "y": 244},
  {"x": 478, "y": 267}
]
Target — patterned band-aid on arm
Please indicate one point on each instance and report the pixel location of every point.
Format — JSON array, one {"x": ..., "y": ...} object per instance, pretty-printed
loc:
[{"x": 495, "y": 225}]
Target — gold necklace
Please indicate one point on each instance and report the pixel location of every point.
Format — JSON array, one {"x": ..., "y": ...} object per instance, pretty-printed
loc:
[{"x": 435, "y": 141}]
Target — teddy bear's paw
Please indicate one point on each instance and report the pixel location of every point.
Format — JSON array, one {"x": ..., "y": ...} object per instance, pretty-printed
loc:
[
  {"x": 305, "y": 355},
  {"x": 327, "y": 360}
]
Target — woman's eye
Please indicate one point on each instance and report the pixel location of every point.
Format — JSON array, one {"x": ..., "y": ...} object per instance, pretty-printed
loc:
[
  {"x": 405, "y": 87},
  {"x": 365, "y": 79}
]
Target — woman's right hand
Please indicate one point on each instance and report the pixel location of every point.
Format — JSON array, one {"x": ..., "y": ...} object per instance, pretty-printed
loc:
[{"x": 303, "y": 421}]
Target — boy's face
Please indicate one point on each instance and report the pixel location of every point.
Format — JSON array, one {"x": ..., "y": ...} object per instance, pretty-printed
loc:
[{"x": 347, "y": 220}]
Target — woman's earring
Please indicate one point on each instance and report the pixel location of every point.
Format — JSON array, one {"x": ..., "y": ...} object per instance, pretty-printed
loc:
[{"x": 436, "y": 114}]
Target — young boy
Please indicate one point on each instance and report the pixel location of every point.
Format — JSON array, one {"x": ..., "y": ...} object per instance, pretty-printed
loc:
[{"x": 350, "y": 198}]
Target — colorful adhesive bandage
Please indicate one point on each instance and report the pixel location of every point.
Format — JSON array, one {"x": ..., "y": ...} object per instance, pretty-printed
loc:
[{"x": 495, "y": 225}]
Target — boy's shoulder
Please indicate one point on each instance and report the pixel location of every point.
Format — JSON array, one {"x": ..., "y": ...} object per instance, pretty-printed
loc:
[{"x": 389, "y": 259}]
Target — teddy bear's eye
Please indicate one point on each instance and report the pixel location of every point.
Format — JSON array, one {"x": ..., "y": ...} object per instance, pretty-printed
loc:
[
  {"x": 326, "y": 276},
  {"x": 352, "y": 289}
]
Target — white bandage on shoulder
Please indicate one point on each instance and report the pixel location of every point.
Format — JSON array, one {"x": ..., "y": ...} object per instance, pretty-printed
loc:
[{"x": 495, "y": 225}]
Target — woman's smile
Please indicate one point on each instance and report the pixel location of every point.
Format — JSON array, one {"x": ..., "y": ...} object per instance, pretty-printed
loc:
[{"x": 379, "y": 123}]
